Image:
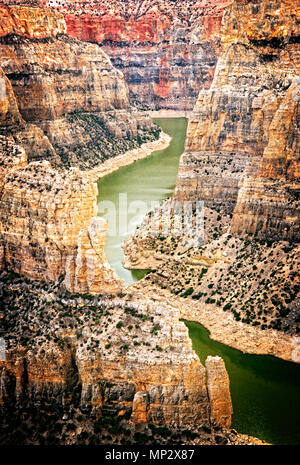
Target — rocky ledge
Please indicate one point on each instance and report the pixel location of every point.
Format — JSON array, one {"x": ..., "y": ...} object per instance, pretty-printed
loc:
[
  {"x": 166, "y": 49},
  {"x": 94, "y": 359},
  {"x": 242, "y": 160}
]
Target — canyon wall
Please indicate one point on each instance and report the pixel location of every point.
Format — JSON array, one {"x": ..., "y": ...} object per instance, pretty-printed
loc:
[
  {"x": 167, "y": 50},
  {"x": 66, "y": 352},
  {"x": 97, "y": 358},
  {"x": 67, "y": 89},
  {"x": 46, "y": 226},
  {"x": 62, "y": 104},
  {"x": 242, "y": 149},
  {"x": 18, "y": 21},
  {"x": 242, "y": 160}
]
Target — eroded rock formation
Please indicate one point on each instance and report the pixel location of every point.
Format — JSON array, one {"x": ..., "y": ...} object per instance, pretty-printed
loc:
[
  {"x": 19, "y": 21},
  {"x": 67, "y": 89},
  {"x": 218, "y": 389},
  {"x": 44, "y": 217},
  {"x": 250, "y": 119},
  {"x": 104, "y": 357},
  {"x": 242, "y": 160},
  {"x": 66, "y": 352},
  {"x": 167, "y": 50},
  {"x": 62, "y": 103}
]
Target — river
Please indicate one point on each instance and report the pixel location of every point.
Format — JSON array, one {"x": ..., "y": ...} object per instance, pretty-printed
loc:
[
  {"x": 147, "y": 180},
  {"x": 265, "y": 390}
]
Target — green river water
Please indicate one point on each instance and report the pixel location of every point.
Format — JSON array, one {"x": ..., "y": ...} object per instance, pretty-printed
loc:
[
  {"x": 150, "y": 179},
  {"x": 265, "y": 390}
]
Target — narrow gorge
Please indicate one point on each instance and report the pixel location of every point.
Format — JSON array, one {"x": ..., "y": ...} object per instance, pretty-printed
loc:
[{"x": 100, "y": 341}]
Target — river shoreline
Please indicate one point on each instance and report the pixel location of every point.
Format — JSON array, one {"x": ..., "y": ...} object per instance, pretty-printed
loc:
[
  {"x": 224, "y": 328},
  {"x": 169, "y": 114},
  {"x": 127, "y": 158},
  {"x": 222, "y": 325}
]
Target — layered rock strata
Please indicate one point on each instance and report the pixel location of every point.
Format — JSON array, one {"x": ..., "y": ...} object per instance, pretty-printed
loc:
[
  {"x": 218, "y": 388},
  {"x": 105, "y": 357},
  {"x": 248, "y": 119},
  {"x": 67, "y": 91},
  {"x": 242, "y": 139},
  {"x": 46, "y": 227},
  {"x": 167, "y": 50},
  {"x": 62, "y": 103},
  {"x": 242, "y": 160},
  {"x": 65, "y": 353}
]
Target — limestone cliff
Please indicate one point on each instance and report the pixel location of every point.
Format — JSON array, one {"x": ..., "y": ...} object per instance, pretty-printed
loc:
[
  {"x": 68, "y": 356},
  {"x": 218, "y": 388},
  {"x": 67, "y": 89},
  {"x": 18, "y": 21},
  {"x": 44, "y": 218},
  {"x": 243, "y": 135},
  {"x": 167, "y": 50},
  {"x": 103, "y": 357},
  {"x": 62, "y": 104},
  {"x": 249, "y": 118},
  {"x": 242, "y": 160}
]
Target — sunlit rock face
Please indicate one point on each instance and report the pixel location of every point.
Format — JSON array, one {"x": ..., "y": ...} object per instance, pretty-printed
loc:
[
  {"x": 242, "y": 149},
  {"x": 63, "y": 106},
  {"x": 166, "y": 49},
  {"x": 60, "y": 355},
  {"x": 242, "y": 160},
  {"x": 68, "y": 89},
  {"x": 75, "y": 358}
]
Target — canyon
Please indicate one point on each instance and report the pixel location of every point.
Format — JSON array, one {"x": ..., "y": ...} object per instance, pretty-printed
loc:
[
  {"x": 167, "y": 50},
  {"x": 242, "y": 160},
  {"x": 64, "y": 108},
  {"x": 83, "y": 350},
  {"x": 80, "y": 351}
]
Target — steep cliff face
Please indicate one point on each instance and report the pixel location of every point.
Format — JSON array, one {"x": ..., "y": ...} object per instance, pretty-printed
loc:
[
  {"x": 242, "y": 160},
  {"x": 19, "y": 21},
  {"x": 243, "y": 135},
  {"x": 250, "y": 113},
  {"x": 67, "y": 89},
  {"x": 218, "y": 388},
  {"x": 104, "y": 357},
  {"x": 268, "y": 204},
  {"x": 67, "y": 354},
  {"x": 62, "y": 103},
  {"x": 268, "y": 201},
  {"x": 45, "y": 216},
  {"x": 167, "y": 50}
]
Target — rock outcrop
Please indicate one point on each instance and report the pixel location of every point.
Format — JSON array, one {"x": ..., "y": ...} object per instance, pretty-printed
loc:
[
  {"x": 62, "y": 104},
  {"x": 167, "y": 50},
  {"x": 45, "y": 224},
  {"x": 105, "y": 357},
  {"x": 242, "y": 147},
  {"x": 218, "y": 390},
  {"x": 65, "y": 90},
  {"x": 19, "y": 21},
  {"x": 242, "y": 160},
  {"x": 243, "y": 136}
]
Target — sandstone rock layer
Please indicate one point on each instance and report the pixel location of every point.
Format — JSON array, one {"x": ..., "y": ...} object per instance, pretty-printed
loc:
[
  {"x": 242, "y": 146},
  {"x": 167, "y": 50}
]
